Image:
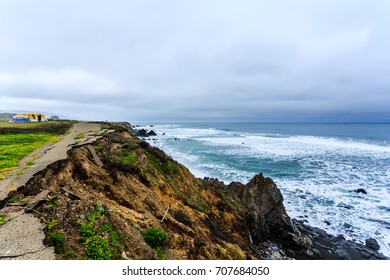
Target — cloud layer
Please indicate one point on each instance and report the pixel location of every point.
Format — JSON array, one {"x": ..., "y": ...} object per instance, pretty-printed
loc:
[{"x": 197, "y": 60}]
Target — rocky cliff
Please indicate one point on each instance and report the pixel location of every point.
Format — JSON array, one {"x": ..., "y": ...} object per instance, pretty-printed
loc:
[{"x": 120, "y": 198}]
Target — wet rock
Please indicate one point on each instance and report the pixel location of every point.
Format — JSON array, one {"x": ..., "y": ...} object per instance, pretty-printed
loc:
[
  {"x": 141, "y": 133},
  {"x": 335, "y": 247},
  {"x": 266, "y": 217},
  {"x": 365, "y": 255},
  {"x": 305, "y": 242},
  {"x": 346, "y": 225},
  {"x": 266, "y": 214},
  {"x": 315, "y": 253},
  {"x": 346, "y": 206},
  {"x": 312, "y": 253},
  {"x": 151, "y": 133},
  {"x": 342, "y": 254},
  {"x": 265, "y": 244},
  {"x": 363, "y": 191},
  {"x": 276, "y": 256},
  {"x": 372, "y": 243}
]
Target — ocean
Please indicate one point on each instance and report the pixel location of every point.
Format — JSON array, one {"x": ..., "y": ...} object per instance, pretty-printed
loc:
[{"x": 317, "y": 166}]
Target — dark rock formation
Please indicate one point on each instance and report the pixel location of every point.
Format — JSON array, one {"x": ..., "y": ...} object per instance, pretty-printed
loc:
[
  {"x": 336, "y": 247},
  {"x": 363, "y": 191},
  {"x": 144, "y": 133},
  {"x": 141, "y": 133},
  {"x": 151, "y": 133},
  {"x": 372, "y": 243},
  {"x": 266, "y": 217}
]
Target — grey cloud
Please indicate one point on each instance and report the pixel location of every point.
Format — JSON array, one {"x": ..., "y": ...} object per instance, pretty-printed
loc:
[{"x": 188, "y": 60}]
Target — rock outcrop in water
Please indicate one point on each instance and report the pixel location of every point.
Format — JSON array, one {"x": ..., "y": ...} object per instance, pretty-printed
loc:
[{"x": 102, "y": 200}]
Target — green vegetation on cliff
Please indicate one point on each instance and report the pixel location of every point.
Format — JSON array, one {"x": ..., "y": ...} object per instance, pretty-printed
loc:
[
  {"x": 99, "y": 237},
  {"x": 3, "y": 220},
  {"x": 157, "y": 239}
]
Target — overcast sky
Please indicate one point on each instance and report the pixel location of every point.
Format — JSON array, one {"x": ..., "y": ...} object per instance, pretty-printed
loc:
[{"x": 152, "y": 60}]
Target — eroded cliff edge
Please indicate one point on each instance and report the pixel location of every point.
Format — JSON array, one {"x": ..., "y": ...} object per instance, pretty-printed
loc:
[{"x": 99, "y": 202}]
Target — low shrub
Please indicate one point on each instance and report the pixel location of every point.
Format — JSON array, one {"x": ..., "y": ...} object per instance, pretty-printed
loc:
[
  {"x": 57, "y": 240},
  {"x": 97, "y": 248},
  {"x": 155, "y": 237}
]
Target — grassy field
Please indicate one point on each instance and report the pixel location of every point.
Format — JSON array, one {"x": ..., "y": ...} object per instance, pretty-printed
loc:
[
  {"x": 19, "y": 140},
  {"x": 53, "y": 127}
]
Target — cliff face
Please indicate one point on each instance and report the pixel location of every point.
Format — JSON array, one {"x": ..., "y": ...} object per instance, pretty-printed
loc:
[{"x": 107, "y": 195}]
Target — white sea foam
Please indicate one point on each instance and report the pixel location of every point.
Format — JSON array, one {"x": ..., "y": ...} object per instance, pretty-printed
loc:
[
  {"x": 299, "y": 146},
  {"x": 329, "y": 207}
]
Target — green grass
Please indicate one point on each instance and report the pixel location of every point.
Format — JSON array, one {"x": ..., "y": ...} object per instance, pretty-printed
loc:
[
  {"x": 97, "y": 248},
  {"x": 14, "y": 147},
  {"x": 57, "y": 240},
  {"x": 54, "y": 127},
  {"x": 130, "y": 159},
  {"x": 19, "y": 140},
  {"x": 51, "y": 223},
  {"x": 3, "y": 220},
  {"x": 104, "y": 126},
  {"x": 54, "y": 238},
  {"x": 165, "y": 166},
  {"x": 195, "y": 200},
  {"x": 18, "y": 200},
  {"x": 79, "y": 136},
  {"x": 54, "y": 203},
  {"x": 160, "y": 253}
]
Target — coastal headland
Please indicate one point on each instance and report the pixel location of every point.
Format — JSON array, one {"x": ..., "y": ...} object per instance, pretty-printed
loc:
[{"x": 113, "y": 196}]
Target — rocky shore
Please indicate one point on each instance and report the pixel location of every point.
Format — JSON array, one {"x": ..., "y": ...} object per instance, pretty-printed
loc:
[
  {"x": 337, "y": 247},
  {"x": 100, "y": 201},
  {"x": 275, "y": 236}
]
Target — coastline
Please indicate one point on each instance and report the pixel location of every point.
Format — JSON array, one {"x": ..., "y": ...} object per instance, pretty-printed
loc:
[
  {"x": 119, "y": 180},
  {"x": 337, "y": 247},
  {"x": 328, "y": 246}
]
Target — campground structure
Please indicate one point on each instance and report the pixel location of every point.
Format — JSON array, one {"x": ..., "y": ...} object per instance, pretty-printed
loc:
[{"x": 34, "y": 117}]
